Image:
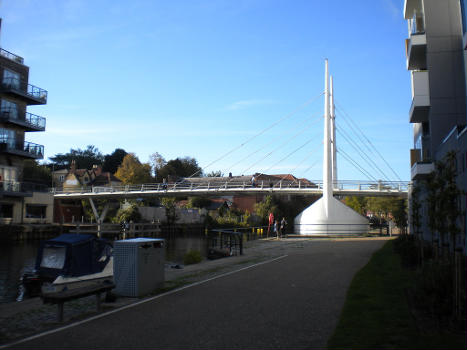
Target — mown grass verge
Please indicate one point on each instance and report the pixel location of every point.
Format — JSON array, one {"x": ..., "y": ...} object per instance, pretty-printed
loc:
[{"x": 376, "y": 314}]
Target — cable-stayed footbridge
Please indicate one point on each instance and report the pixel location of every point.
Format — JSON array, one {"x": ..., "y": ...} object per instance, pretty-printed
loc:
[{"x": 326, "y": 211}]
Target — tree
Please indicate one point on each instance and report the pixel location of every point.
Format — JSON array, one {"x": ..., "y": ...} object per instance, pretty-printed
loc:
[
  {"x": 213, "y": 173},
  {"x": 157, "y": 162},
  {"x": 416, "y": 209},
  {"x": 357, "y": 203},
  {"x": 128, "y": 214},
  {"x": 268, "y": 205},
  {"x": 381, "y": 206},
  {"x": 198, "y": 202},
  {"x": 37, "y": 173},
  {"x": 399, "y": 212},
  {"x": 442, "y": 199},
  {"x": 114, "y": 160},
  {"x": 170, "y": 212},
  {"x": 179, "y": 167},
  {"x": 84, "y": 159},
  {"x": 132, "y": 171}
]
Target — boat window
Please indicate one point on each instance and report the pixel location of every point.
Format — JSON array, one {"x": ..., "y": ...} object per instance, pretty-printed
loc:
[{"x": 53, "y": 257}]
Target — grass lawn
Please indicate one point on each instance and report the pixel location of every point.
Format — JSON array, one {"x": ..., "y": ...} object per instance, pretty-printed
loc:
[{"x": 376, "y": 314}]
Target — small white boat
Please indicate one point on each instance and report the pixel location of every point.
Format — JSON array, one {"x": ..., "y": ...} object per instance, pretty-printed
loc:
[{"x": 70, "y": 261}]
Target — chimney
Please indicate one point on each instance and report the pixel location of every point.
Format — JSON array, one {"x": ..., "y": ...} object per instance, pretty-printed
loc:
[{"x": 73, "y": 166}]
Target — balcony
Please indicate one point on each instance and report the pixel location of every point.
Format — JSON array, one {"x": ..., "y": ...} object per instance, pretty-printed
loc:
[
  {"x": 420, "y": 160},
  {"x": 20, "y": 189},
  {"x": 32, "y": 94},
  {"x": 415, "y": 46},
  {"x": 30, "y": 122},
  {"x": 420, "y": 107},
  {"x": 421, "y": 169},
  {"x": 11, "y": 56},
  {"x": 22, "y": 149}
]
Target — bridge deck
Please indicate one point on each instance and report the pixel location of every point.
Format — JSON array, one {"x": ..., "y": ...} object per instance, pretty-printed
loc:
[{"x": 230, "y": 188}]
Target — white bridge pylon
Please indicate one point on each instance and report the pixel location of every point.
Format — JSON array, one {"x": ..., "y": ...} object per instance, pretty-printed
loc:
[{"x": 329, "y": 216}]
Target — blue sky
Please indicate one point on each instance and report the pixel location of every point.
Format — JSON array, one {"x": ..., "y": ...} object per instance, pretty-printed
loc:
[{"x": 198, "y": 78}]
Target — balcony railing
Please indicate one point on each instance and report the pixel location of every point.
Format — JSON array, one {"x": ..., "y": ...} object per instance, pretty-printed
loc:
[
  {"x": 33, "y": 121},
  {"x": 19, "y": 86},
  {"x": 11, "y": 56},
  {"x": 21, "y": 187},
  {"x": 417, "y": 24},
  {"x": 28, "y": 149}
]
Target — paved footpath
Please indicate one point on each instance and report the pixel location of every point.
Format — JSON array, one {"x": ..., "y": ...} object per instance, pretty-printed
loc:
[{"x": 290, "y": 302}]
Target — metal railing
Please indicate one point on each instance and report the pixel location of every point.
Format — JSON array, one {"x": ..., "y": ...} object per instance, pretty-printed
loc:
[
  {"x": 35, "y": 121},
  {"x": 11, "y": 114},
  {"x": 20, "y": 86},
  {"x": 117, "y": 231},
  {"x": 10, "y": 145},
  {"x": 17, "y": 187},
  {"x": 417, "y": 24},
  {"x": 208, "y": 187},
  {"x": 11, "y": 56}
]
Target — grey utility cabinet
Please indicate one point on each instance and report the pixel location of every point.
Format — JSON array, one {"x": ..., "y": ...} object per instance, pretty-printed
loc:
[{"x": 138, "y": 266}]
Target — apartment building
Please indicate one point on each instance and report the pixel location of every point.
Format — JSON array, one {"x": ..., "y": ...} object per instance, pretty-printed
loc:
[
  {"x": 20, "y": 202},
  {"x": 436, "y": 59}
]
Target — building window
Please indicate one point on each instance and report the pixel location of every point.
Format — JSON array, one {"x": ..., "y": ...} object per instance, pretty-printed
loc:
[
  {"x": 464, "y": 18},
  {"x": 11, "y": 79},
  {"x": 9, "y": 110},
  {"x": 7, "y": 176},
  {"x": 6, "y": 211},
  {"x": 36, "y": 211},
  {"x": 7, "y": 136},
  {"x": 61, "y": 178}
]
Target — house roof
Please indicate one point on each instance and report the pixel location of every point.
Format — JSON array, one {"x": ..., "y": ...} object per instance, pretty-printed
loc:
[
  {"x": 285, "y": 178},
  {"x": 96, "y": 177},
  {"x": 105, "y": 178}
]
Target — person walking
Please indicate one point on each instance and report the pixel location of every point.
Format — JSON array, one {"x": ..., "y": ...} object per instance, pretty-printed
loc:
[
  {"x": 276, "y": 228},
  {"x": 283, "y": 223},
  {"x": 270, "y": 222}
]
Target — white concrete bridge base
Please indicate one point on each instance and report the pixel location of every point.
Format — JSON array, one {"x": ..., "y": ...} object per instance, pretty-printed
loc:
[{"x": 341, "y": 220}]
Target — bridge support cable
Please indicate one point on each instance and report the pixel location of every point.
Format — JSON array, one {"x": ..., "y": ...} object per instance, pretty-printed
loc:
[
  {"x": 303, "y": 161},
  {"x": 356, "y": 165},
  {"x": 280, "y": 146},
  {"x": 287, "y": 116},
  {"x": 362, "y": 153},
  {"x": 310, "y": 167},
  {"x": 273, "y": 141},
  {"x": 371, "y": 147},
  {"x": 287, "y": 156}
]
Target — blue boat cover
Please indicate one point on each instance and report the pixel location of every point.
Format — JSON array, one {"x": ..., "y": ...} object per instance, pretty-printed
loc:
[{"x": 72, "y": 255}]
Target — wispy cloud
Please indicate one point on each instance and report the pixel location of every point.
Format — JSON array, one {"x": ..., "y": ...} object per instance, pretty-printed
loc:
[
  {"x": 77, "y": 132},
  {"x": 249, "y": 103},
  {"x": 393, "y": 8}
]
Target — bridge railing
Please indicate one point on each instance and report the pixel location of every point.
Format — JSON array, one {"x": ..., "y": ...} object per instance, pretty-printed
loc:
[{"x": 213, "y": 186}]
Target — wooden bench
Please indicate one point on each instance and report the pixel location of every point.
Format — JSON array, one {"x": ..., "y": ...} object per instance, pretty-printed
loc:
[{"x": 60, "y": 298}]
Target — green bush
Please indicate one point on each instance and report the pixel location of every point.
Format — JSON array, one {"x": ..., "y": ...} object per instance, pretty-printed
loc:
[
  {"x": 129, "y": 214},
  {"x": 406, "y": 247},
  {"x": 192, "y": 257},
  {"x": 434, "y": 289}
]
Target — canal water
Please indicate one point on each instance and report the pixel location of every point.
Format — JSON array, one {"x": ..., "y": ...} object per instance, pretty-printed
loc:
[{"x": 16, "y": 258}]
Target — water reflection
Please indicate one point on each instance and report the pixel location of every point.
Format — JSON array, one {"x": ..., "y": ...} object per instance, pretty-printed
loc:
[
  {"x": 15, "y": 260},
  {"x": 18, "y": 258}
]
